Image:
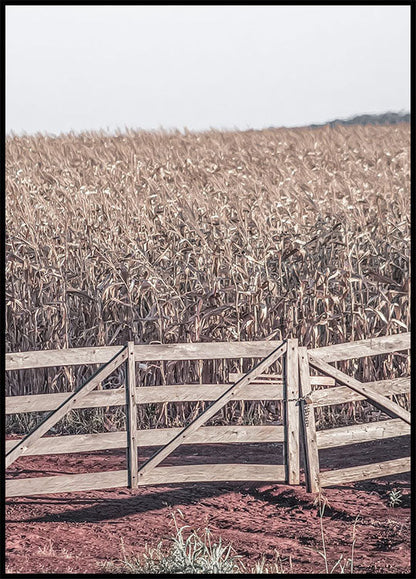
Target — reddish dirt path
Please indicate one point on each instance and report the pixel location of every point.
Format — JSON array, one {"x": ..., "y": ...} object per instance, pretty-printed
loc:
[{"x": 77, "y": 532}]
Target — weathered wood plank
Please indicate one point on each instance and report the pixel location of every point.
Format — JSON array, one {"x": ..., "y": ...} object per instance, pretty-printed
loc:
[
  {"x": 200, "y": 351},
  {"x": 211, "y": 410},
  {"x": 321, "y": 381},
  {"x": 310, "y": 446},
  {"x": 47, "y": 402},
  {"x": 65, "y": 357},
  {"x": 214, "y": 472},
  {"x": 263, "y": 379},
  {"x": 145, "y": 395},
  {"x": 145, "y": 353},
  {"x": 74, "y": 443},
  {"x": 154, "y": 437},
  {"x": 381, "y": 402},
  {"x": 131, "y": 406},
  {"x": 208, "y": 392},
  {"x": 206, "y": 350},
  {"x": 355, "y": 473},
  {"x": 343, "y": 394},
  {"x": 278, "y": 379},
  {"x": 161, "y": 475},
  {"x": 344, "y": 435},
  {"x": 46, "y": 485},
  {"x": 65, "y": 407},
  {"x": 194, "y": 392},
  {"x": 291, "y": 387},
  {"x": 362, "y": 348}
]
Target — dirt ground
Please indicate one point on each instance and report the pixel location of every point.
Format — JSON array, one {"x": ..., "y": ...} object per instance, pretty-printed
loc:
[{"x": 80, "y": 531}]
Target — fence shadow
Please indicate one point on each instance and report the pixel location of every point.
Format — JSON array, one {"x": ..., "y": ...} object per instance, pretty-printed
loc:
[{"x": 109, "y": 509}]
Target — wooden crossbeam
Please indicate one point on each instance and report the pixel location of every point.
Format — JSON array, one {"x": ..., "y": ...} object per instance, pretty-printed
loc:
[
  {"x": 362, "y": 348},
  {"x": 201, "y": 351},
  {"x": 278, "y": 379},
  {"x": 148, "y": 353},
  {"x": 66, "y": 406},
  {"x": 380, "y": 430},
  {"x": 144, "y": 395},
  {"x": 380, "y": 401},
  {"x": 368, "y": 471},
  {"x": 343, "y": 394},
  {"x": 152, "y": 437},
  {"x": 184, "y": 435},
  {"x": 46, "y": 485}
]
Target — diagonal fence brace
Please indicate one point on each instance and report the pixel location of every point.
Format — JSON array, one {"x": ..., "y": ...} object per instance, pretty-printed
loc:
[
  {"x": 211, "y": 410},
  {"x": 380, "y": 401},
  {"x": 66, "y": 406}
]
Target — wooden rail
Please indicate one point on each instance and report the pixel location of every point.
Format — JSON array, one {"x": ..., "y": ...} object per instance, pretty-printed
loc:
[
  {"x": 278, "y": 379},
  {"x": 363, "y": 348},
  {"x": 144, "y": 395},
  {"x": 154, "y": 352},
  {"x": 379, "y": 469},
  {"x": 198, "y": 392},
  {"x": 258, "y": 390},
  {"x": 162, "y": 475},
  {"x": 152, "y": 437},
  {"x": 201, "y": 351},
  {"x": 343, "y": 394},
  {"x": 362, "y": 433}
]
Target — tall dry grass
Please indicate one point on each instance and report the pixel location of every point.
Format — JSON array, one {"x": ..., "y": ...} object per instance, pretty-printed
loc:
[{"x": 171, "y": 237}]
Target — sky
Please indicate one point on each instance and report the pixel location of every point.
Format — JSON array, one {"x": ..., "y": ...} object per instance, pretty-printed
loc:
[{"x": 79, "y": 68}]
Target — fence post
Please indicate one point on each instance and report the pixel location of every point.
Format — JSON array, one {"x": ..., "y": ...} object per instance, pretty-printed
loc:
[
  {"x": 291, "y": 396},
  {"x": 310, "y": 446},
  {"x": 131, "y": 407}
]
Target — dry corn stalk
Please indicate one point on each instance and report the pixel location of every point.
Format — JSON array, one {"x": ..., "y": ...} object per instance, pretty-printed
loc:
[{"x": 171, "y": 237}]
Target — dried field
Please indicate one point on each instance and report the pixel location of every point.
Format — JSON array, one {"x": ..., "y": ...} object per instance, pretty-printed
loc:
[{"x": 209, "y": 236}]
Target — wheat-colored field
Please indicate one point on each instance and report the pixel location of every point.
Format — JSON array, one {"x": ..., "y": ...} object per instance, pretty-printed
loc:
[{"x": 172, "y": 237}]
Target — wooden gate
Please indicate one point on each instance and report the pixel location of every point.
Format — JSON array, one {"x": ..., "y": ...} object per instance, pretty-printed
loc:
[
  {"x": 293, "y": 389},
  {"x": 254, "y": 385},
  {"x": 351, "y": 390}
]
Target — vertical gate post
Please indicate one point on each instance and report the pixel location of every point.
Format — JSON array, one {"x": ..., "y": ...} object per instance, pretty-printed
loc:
[
  {"x": 291, "y": 396},
  {"x": 310, "y": 446},
  {"x": 131, "y": 407}
]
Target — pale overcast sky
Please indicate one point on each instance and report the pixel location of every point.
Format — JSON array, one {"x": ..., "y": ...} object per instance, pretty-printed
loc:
[{"x": 226, "y": 67}]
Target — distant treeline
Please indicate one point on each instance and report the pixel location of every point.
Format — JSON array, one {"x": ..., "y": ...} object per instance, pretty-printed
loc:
[{"x": 382, "y": 119}]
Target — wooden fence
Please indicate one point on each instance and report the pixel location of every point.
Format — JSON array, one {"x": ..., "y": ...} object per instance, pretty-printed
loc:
[
  {"x": 246, "y": 387},
  {"x": 351, "y": 390},
  {"x": 292, "y": 388}
]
